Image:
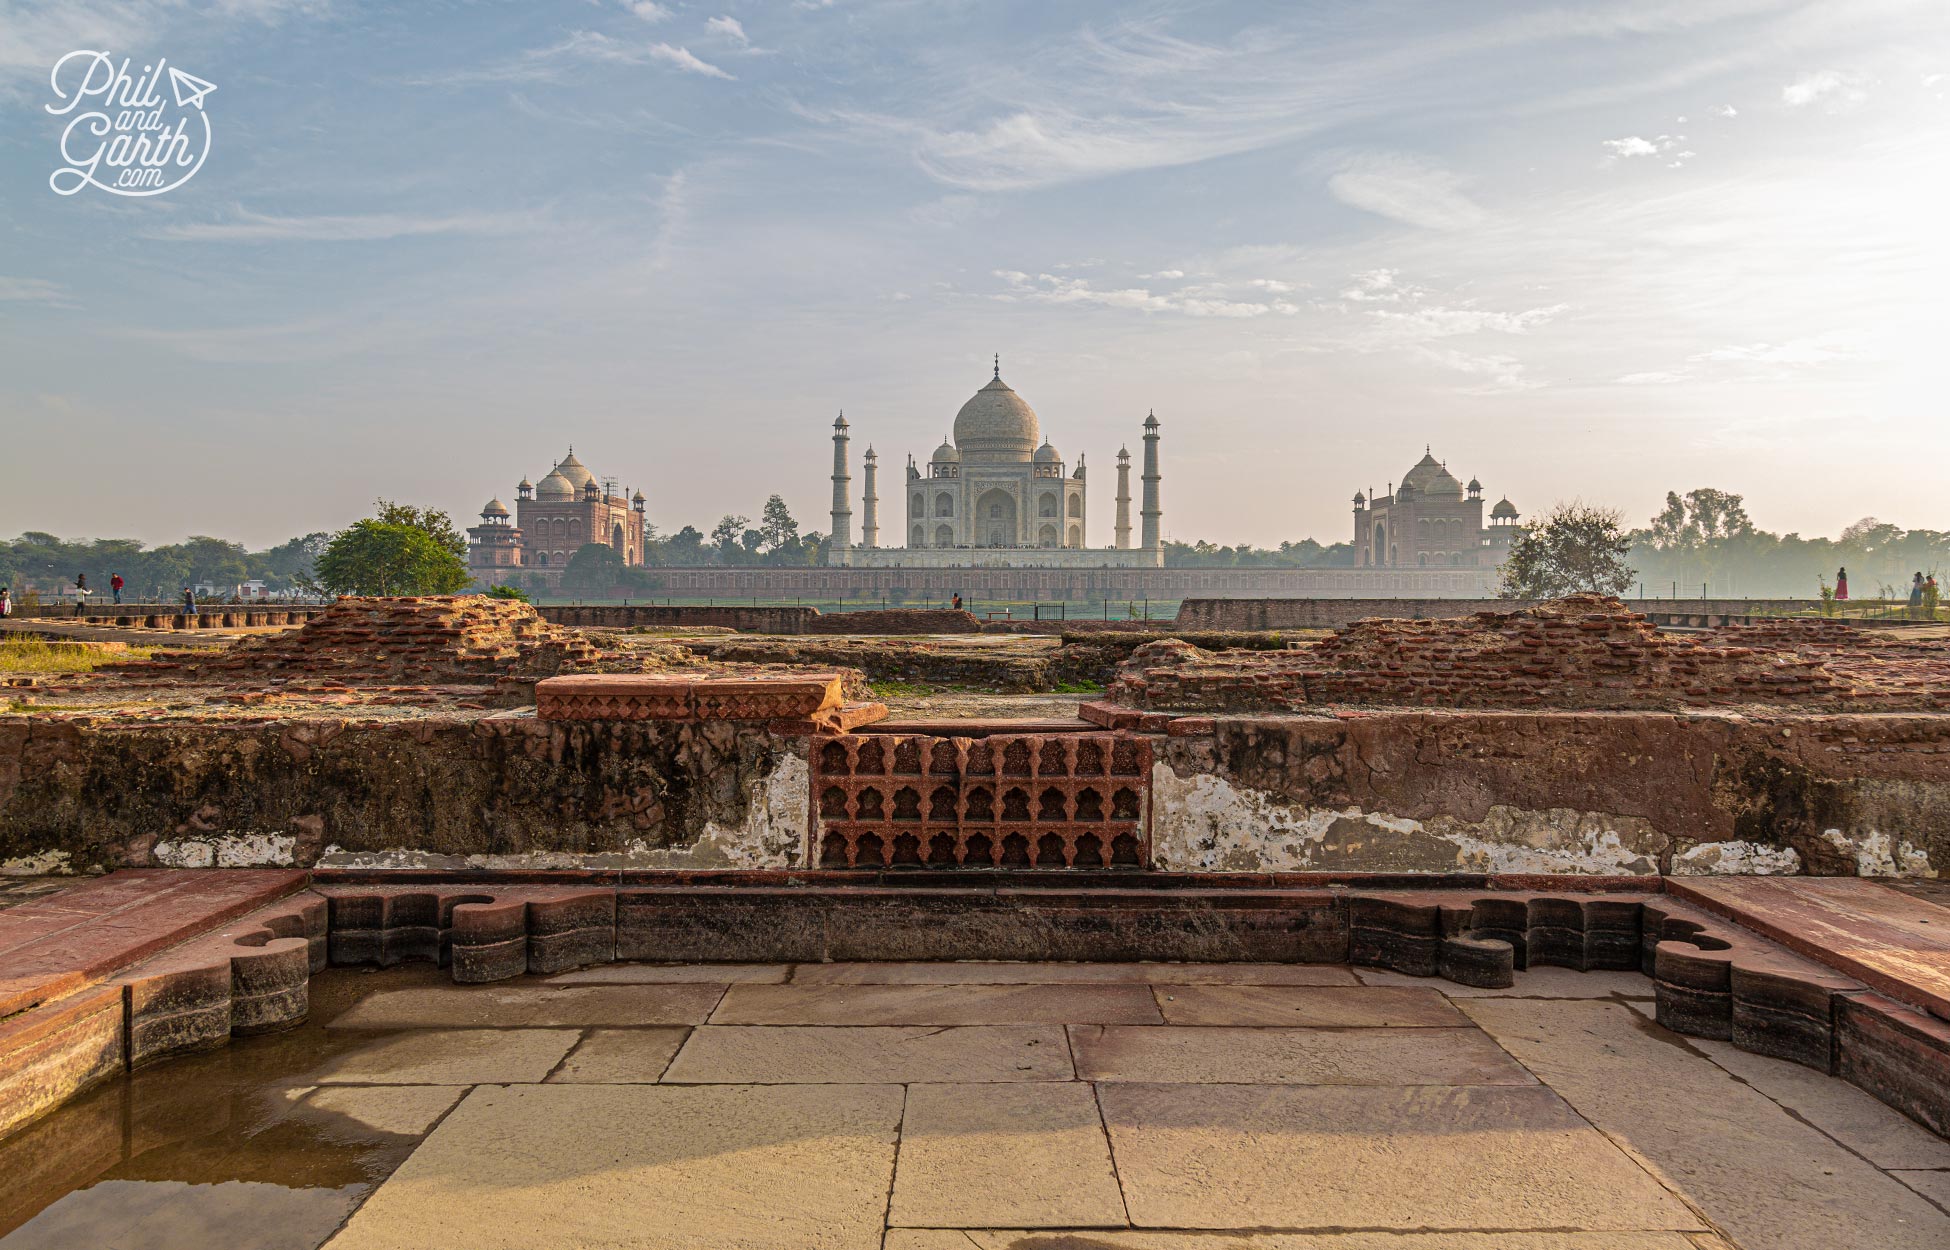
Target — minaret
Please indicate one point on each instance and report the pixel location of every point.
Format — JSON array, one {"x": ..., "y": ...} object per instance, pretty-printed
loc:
[
  {"x": 1123, "y": 499},
  {"x": 1152, "y": 512},
  {"x": 870, "y": 512},
  {"x": 842, "y": 531}
]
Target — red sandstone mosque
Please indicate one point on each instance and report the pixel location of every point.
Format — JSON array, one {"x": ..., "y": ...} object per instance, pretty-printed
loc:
[
  {"x": 552, "y": 521},
  {"x": 1431, "y": 521}
]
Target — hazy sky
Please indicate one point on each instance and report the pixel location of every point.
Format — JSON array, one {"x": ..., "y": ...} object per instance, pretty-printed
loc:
[{"x": 1590, "y": 250}]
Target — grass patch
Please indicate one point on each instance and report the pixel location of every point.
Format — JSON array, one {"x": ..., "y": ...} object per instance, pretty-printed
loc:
[
  {"x": 1078, "y": 687},
  {"x": 900, "y": 690},
  {"x": 35, "y": 655}
]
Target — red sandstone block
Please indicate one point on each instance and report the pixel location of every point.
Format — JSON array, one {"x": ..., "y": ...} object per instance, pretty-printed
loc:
[{"x": 54, "y": 1052}]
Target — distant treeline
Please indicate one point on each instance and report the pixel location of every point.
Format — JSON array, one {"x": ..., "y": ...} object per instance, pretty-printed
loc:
[
  {"x": 1702, "y": 539},
  {"x": 44, "y": 563}
]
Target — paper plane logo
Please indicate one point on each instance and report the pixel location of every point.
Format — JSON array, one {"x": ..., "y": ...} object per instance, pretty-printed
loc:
[
  {"x": 123, "y": 135},
  {"x": 189, "y": 89}
]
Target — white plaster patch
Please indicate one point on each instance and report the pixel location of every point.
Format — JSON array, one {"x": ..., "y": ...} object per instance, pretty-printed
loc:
[
  {"x": 1206, "y": 823},
  {"x": 1736, "y": 858},
  {"x": 1876, "y": 854},
  {"x": 773, "y": 834},
  {"x": 45, "y": 864},
  {"x": 249, "y": 850}
]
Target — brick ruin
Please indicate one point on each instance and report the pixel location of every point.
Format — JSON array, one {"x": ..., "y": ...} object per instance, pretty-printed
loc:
[
  {"x": 1583, "y": 652},
  {"x": 1564, "y": 738}
]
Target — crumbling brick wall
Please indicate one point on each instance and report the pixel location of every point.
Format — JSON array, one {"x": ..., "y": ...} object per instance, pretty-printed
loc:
[
  {"x": 107, "y": 792},
  {"x": 1586, "y": 651}
]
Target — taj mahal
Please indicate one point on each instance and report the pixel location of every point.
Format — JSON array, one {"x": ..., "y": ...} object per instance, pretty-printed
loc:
[{"x": 996, "y": 494}]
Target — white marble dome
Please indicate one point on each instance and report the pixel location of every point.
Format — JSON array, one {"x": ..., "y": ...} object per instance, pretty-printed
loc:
[{"x": 997, "y": 425}]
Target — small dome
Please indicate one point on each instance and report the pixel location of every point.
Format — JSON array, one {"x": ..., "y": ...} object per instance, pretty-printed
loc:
[
  {"x": 1504, "y": 508},
  {"x": 524, "y": 484},
  {"x": 1360, "y": 500},
  {"x": 495, "y": 508},
  {"x": 946, "y": 453},
  {"x": 555, "y": 488},
  {"x": 637, "y": 498},
  {"x": 573, "y": 473},
  {"x": 1123, "y": 453},
  {"x": 1047, "y": 454},
  {"x": 1475, "y": 487}
]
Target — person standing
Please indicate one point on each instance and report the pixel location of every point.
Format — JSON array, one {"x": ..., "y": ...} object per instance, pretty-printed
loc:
[
  {"x": 115, "y": 586},
  {"x": 189, "y": 603},
  {"x": 6, "y": 603},
  {"x": 958, "y": 601},
  {"x": 1841, "y": 582},
  {"x": 1916, "y": 595},
  {"x": 81, "y": 593}
]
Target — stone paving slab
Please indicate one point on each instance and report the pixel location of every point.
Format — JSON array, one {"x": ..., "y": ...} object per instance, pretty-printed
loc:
[
  {"x": 404, "y": 1110},
  {"x": 648, "y": 1167},
  {"x": 1307, "y": 1006},
  {"x": 1419, "y": 1157},
  {"x": 1069, "y": 973},
  {"x": 531, "y": 1006},
  {"x": 1767, "y": 1178},
  {"x": 938, "y": 1004},
  {"x": 674, "y": 974},
  {"x": 1023, "y": 1239},
  {"x": 620, "y": 1056},
  {"x": 450, "y": 1057},
  {"x": 1196, "y": 1054},
  {"x": 1026, "y": 1156},
  {"x": 1544, "y": 982},
  {"x": 1932, "y": 1185},
  {"x": 784, "y": 1054},
  {"x": 1857, "y": 1119}
]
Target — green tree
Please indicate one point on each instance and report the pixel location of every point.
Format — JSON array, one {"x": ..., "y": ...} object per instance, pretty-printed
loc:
[
  {"x": 433, "y": 522},
  {"x": 1574, "y": 548},
  {"x": 725, "y": 535},
  {"x": 775, "y": 524},
  {"x": 507, "y": 592},
  {"x": 378, "y": 557},
  {"x": 594, "y": 569}
]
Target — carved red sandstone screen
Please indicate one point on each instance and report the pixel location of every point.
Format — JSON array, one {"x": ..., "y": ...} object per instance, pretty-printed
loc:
[{"x": 1025, "y": 801}]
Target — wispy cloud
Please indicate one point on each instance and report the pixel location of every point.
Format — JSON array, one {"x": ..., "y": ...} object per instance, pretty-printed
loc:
[
  {"x": 245, "y": 226},
  {"x": 1044, "y": 288},
  {"x": 1669, "y": 148},
  {"x": 649, "y": 10},
  {"x": 1795, "y": 352},
  {"x": 33, "y": 291},
  {"x": 1827, "y": 87},
  {"x": 581, "y": 47},
  {"x": 730, "y": 27},
  {"x": 1405, "y": 189}
]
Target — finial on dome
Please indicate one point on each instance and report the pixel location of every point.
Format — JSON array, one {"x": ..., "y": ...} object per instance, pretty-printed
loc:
[{"x": 998, "y": 366}]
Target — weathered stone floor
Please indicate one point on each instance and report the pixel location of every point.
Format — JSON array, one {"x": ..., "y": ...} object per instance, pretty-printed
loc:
[{"x": 1000, "y": 1106}]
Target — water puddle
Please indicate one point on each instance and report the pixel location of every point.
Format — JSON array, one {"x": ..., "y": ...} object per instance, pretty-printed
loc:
[{"x": 231, "y": 1149}]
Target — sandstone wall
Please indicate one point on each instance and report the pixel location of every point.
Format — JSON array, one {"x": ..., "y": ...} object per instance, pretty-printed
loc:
[
  {"x": 1324, "y": 613},
  {"x": 749, "y": 620},
  {"x": 1596, "y": 792},
  {"x": 496, "y": 791}
]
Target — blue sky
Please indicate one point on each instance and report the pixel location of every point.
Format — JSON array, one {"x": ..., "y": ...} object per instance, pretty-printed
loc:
[{"x": 1592, "y": 250}]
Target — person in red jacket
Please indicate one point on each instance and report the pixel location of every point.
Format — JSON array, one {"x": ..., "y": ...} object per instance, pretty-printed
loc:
[{"x": 115, "y": 584}]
